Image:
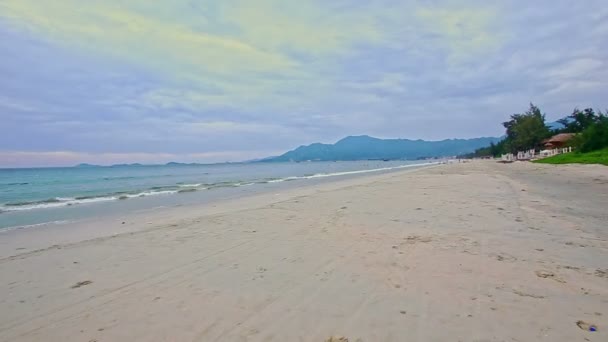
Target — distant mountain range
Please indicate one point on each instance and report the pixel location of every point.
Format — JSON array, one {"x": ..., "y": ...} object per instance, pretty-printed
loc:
[
  {"x": 554, "y": 125},
  {"x": 362, "y": 148},
  {"x": 366, "y": 148}
]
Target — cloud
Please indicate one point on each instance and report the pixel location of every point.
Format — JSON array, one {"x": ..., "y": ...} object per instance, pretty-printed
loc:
[
  {"x": 578, "y": 68},
  {"x": 464, "y": 32},
  {"x": 183, "y": 77},
  {"x": 222, "y": 127},
  {"x": 121, "y": 31},
  {"x": 248, "y": 52},
  {"x": 10, "y": 104},
  {"x": 240, "y": 52}
]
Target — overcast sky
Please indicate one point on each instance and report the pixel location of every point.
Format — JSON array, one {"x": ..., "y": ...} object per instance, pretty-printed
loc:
[{"x": 152, "y": 81}]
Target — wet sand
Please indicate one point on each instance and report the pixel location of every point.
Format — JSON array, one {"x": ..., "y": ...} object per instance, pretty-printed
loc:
[{"x": 477, "y": 251}]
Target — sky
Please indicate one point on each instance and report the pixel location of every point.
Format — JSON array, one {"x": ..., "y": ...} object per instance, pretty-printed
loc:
[{"x": 111, "y": 81}]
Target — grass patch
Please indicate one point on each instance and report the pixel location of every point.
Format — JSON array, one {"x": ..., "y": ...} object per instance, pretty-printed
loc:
[{"x": 595, "y": 157}]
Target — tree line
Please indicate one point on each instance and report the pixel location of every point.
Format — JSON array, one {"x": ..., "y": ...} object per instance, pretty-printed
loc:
[{"x": 528, "y": 130}]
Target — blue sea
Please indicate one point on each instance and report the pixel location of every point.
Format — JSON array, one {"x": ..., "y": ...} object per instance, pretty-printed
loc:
[{"x": 36, "y": 196}]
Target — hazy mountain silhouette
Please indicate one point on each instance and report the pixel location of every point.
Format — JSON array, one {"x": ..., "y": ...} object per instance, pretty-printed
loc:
[{"x": 365, "y": 147}]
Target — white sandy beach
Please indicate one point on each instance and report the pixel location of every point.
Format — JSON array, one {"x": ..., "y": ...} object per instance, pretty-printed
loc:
[{"x": 463, "y": 252}]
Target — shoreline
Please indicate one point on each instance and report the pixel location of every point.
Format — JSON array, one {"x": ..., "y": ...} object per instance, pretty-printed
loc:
[
  {"x": 471, "y": 251},
  {"x": 35, "y": 237},
  {"x": 67, "y": 207}
]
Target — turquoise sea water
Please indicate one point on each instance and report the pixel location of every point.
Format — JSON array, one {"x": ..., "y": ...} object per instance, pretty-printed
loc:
[{"x": 39, "y": 195}]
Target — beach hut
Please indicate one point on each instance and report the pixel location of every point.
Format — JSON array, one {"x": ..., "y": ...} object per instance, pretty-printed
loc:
[{"x": 558, "y": 141}]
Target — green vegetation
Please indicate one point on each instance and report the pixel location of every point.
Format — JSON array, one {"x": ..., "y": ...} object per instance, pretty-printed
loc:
[
  {"x": 523, "y": 132},
  {"x": 528, "y": 130},
  {"x": 578, "y": 121},
  {"x": 594, "y": 136},
  {"x": 595, "y": 157}
]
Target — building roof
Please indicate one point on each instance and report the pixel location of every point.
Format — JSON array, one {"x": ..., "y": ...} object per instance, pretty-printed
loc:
[{"x": 559, "y": 138}]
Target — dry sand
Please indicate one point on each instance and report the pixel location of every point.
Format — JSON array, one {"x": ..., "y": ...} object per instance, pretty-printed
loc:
[{"x": 462, "y": 252}]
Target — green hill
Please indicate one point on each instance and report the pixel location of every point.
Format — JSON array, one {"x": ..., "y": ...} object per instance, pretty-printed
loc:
[{"x": 366, "y": 147}]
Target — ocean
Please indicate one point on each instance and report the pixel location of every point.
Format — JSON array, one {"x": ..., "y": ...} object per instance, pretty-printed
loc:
[{"x": 37, "y": 196}]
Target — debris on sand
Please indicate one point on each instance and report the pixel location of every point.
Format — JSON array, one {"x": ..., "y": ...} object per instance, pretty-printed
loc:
[
  {"x": 544, "y": 274},
  {"x": 586, "y": 326},
  {"x": 337, "y": 339},
  {"x": 524, "y": 294},
  {"x": 550, "y": 275},
  {"x": 81, "y": 283},
  {"x": 412, "y": 239}
]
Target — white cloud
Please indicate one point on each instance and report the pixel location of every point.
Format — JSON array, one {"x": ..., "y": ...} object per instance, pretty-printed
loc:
[{"x": 181, "y": 77}]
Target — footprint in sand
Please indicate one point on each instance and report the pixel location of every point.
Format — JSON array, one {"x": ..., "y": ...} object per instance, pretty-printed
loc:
[
  {"x": 574, "y": 268},
  {"x": 548, "y": 275},
  {"x": 412, "y": 239},
  {"x": 81, "y": 283},
  {"x": 337, "y": 339},
  {"x": 601, "y": 273},
  {"x": 524, "y": 294},
  {"x": 504, "y": 257}
]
